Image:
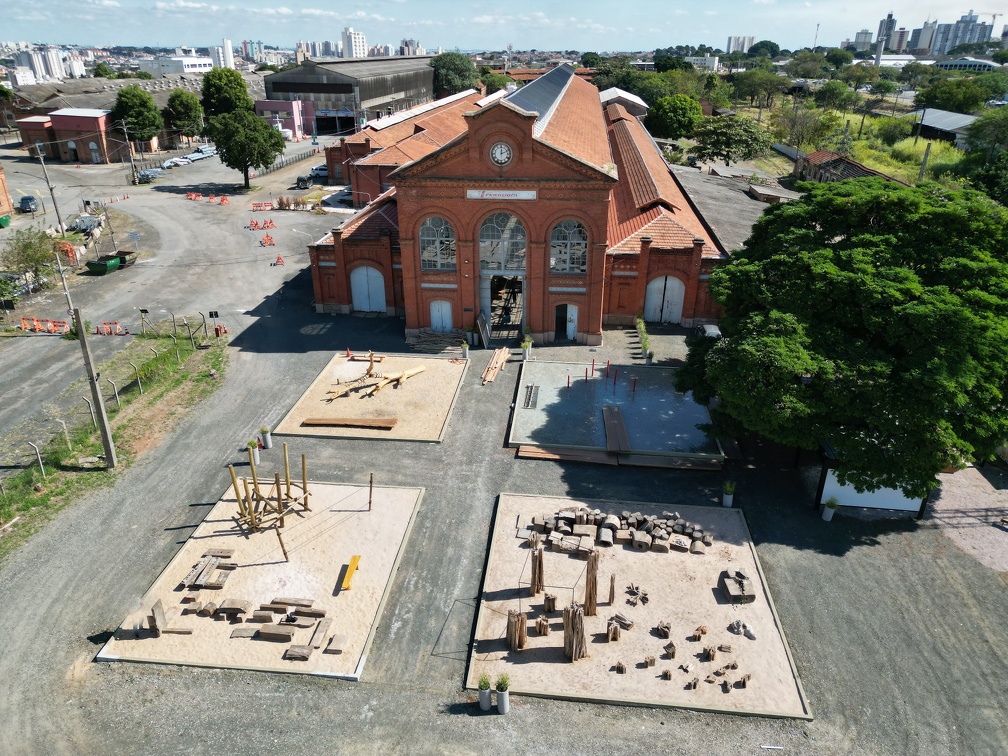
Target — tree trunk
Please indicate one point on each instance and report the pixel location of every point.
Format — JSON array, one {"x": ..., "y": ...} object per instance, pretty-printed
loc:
[{"x": 246, "y": 177}]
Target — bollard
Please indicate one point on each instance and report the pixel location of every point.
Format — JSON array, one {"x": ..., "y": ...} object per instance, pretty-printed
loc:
[
  {"x": 607, "y": 368},
  {"x": 586, "y": 375},
  {"x": 91, "y": 407},
  {"x": 136, "y": 372},
  {"x": 593, "y": 368},
  {"x": 39, "y": 456},
  {"x": 116, "y": 392},
  {"x": 634, "y": 389},
  {"x": 568, "y": 380}
]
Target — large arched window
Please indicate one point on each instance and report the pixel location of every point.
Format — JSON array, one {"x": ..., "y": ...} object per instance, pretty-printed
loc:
[
  {"x": 569, "y": 248},
  {"x": 502, "y": 244},
  {"x": 437, "y": 245}
]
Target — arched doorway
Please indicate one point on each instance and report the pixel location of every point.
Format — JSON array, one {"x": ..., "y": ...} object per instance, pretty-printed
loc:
[
  {"x": 503, "y": 246},
  {"x": 441, "y": 316},
  {"x": 367, "y": 289},
  {"x": 72, "y": 149},
  {"x": 663, "y": 302},
  {"x": 95, "y": 154}
]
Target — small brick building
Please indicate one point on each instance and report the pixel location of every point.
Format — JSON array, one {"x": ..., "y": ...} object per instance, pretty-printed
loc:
[
  {"x": 543, "y": 209},
  {"x": 74, "y": 135}
]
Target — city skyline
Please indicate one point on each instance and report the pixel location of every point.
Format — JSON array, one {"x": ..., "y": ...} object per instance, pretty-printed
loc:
[{"x": 542, "y": 25}]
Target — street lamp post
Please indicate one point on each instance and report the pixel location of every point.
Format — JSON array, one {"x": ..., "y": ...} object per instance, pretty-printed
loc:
[{"x": 45, "y": 173}]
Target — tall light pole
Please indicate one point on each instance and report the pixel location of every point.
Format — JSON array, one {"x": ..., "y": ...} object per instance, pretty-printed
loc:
[
  {"x": 129, "y": 148},
  {"x": 96, "y": 395},
  {"x": 45, "y": 173}
]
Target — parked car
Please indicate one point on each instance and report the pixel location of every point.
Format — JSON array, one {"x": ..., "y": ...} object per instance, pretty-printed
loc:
[
  {"x": 303, "y": 182},
  {"x": 709, "y": 331},
  {"x": 28, "y": 204},
  {"x": 320, "y": 171}
]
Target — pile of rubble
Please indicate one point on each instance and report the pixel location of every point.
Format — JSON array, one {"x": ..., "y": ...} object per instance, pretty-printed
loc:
[{"x": 580, "y": 530}]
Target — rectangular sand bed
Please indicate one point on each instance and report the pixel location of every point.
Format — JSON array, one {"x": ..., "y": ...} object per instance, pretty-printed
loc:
[
  {"x": 421, "y": 405},
  {"x": 567, "y": 411},
  {"x": 683, "y": 590},
  {"x": 320, "y": 544}
]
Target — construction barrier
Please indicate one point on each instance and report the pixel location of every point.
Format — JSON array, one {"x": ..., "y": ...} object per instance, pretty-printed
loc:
[
  {"x": 254, "y": 225},
  {"x": 224, "y": 201},
  {"x": 268, "y": 223},
  {"x": 211, "y": 199},
  {"x": 279, "y": 261},
  {"x": 43, "y": 325},
  {"x": 220, "y": 329},
  {"x": 267, "y": 241},
  {"x": 195, "y": 196},
  {"x": 258, "y": 207},
  {"x": 109, "y": 328}
]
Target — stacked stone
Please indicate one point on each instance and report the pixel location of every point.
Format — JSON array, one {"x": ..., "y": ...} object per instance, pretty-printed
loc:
[{"x": 581, "y": 530}]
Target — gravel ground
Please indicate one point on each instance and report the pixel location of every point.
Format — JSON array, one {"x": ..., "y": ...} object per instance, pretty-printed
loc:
[{"x": 898, "y": 635}]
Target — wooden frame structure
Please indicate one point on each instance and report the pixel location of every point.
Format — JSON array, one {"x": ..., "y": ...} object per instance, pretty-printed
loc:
[{"x": 260, "y": 508}]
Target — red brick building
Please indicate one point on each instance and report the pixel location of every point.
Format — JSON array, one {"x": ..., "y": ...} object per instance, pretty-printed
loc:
[
  {"x": 74, "y": 135},
  {"x": 542, "y": 209}
]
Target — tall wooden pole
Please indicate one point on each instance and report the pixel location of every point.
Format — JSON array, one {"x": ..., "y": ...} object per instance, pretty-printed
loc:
[
  {"x": 99, "y": 402},
  {"x": 370, "y": 493},
  {"x": 304, "y": 481},
  {"x": 287, "y": 468}
]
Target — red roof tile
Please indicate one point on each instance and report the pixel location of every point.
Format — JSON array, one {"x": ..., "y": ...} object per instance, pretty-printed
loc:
[
  {"x": 375, "y": 220},
  {"x": 578, "y": 127}
]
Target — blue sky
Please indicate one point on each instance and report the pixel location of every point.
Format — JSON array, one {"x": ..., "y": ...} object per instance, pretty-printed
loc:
[{"x": 600, "y": 25}]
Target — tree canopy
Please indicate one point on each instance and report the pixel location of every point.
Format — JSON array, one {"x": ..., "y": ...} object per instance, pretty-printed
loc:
[
  {"x": 590, "y": 60},
  {"x": 135, "y": 108},
  {"x": 847, "y": 320},
  {"x": 761, "y": 87},
  {"x": 6, "y": 95},
  {"x": 102, "y": 71},
  {"x": 835, "y": 95},
  {"x": 495, "y": 82},
  {"x": 29, "y": 250},
  {"x": 956, "y": 95},
  {"x": 989, "y": 132},
  {"x": 184, "y": 113},
  {"x": 244, "y": 141},
  {"x": 453, "y": 73},
  {"x": 764, "y": 48},
  {"x": 730, "y": 138},
  {"x": 674, "y": 117},
  {"x": 224, "y": 91},
  {"x": 839, "y": 58}
]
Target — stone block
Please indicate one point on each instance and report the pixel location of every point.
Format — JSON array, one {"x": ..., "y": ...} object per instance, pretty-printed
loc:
[
  {"x": 623, "y": 536},
  {"x": 611, "y": 522},
  {"x": 661, "y": 545},
  {"x": 698, "y": 548},
  {"x": 679, "y": 543},
  {"x": 584, "y": 530},
  {"x": 605, "y": 537},
  {"x": 641, "y": 541}
]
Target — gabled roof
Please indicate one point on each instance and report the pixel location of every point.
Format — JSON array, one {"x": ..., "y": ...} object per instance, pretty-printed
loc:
[
  {"x": 615, "y": 93},
  {"x": 379, "y": 218},
  {"x": 543, "y": 95},
  {"x": 841, "y": 168},
  {"x": 386, "y": 132},
  {"x": 578, "y": 127},
  {"x": 943, "y": 120}
]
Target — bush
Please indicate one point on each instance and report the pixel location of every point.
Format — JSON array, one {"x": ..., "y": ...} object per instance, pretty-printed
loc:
[{"x": 892, "y": 130}]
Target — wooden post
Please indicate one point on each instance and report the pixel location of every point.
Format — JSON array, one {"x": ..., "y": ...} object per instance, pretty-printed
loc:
[
  {"x": 251, "y": 505},
  {"x": 304, "y": 482},
  {"x": 234, "y": 482},
  {"x": 370, "y": 492},
  {"x": 255, "y": 479},
  {"x": 286, "y": 468},
  {"x": 612, "y": 589},
  {"x": 282, "y": 547},
  {"x": 280, "y": 499}
]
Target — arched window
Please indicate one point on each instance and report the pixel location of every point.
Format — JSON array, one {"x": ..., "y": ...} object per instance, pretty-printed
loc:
[
  {"x": 569, "y": 248},
  {"x": 437, "y": 245},
  {"x": 502, "y": 244}
]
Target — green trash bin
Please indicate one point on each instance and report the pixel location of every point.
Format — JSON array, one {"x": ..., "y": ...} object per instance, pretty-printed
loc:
[{"x": 4, "y": 221}]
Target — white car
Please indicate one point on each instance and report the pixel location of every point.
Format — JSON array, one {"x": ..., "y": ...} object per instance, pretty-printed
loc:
[{"x": 320, "y": 171}]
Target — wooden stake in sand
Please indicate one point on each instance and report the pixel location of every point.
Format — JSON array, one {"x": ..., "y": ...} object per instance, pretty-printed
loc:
[
  {"x": 612, "y": 589},
  {"x": 591, "y": 584},
  {"x": 304, "y": 482},
  {"x": 549, "y": 603},
  {"x": 538, "y": 581},
  {"x": 575, "y": 646},
  {"x": 370, "y": 492},
  {"x": 283, "y": 548},
  {"x": 517, "y": 630}
]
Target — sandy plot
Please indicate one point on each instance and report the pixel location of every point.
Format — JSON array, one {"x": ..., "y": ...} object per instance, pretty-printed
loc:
[
  {"x": 421, "y": 404},
  {"x": 320, "y": 544},
  {"x": 682, "y": 589}
]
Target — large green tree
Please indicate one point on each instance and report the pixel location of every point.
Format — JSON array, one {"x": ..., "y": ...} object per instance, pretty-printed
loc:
[
  {"x": 835, "y": 95},
  {"x": 764, "y": 48},
  {"x": 453, "y": 73},
  {"x": 244, "y": 141},
  {"x": 761, "y": 87},
  {"x": 102, "y": 71},
  {"x": 495, "y": 82},
  {"x": 183, "y": 113},
  {"x": 956, "y": 95},
  {"x": 590, "y": 60},
  {"x": 29, "y": 251},
  {"x": 847, "y": 320},
  {"x": 804, "y": 125},
  {"x": 136, "y": 111},
  {"x": 224, "y": 91},
  {"x": 989, "y": 132},
  {"x": 993, "y": 178},
  {"x": 730, "y": 138},
  {"x": 839, "y": 58},
  {"x": 674, "y": 117}
]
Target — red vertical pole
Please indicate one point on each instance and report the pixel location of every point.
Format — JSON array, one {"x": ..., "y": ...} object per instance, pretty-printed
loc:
[
  {"x": 634, "y": 389},
  {"x": 586, "y": 374},
  {"x": 568, "y": 380},
  {"x": 593, "y": 368}
]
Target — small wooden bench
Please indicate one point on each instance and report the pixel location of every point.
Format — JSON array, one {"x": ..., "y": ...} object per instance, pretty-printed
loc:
[{"x": 351, "y": 569}]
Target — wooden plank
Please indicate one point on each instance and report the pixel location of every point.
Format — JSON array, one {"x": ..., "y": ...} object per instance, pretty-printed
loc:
[
  {"x": 293, "y": 601},
  {"x": 592, "y": 456},
  {"x": 616, "y": 434},
  {"x": 235, "y": 606},
  {"x": 351, "y": 569},
  {"x": 160, "y": 621},
  {"x": 279, "y": 633},
  {"x": 274, "y": 607},
  {"x": 260, "y": 616},
  {"x": 301, "y": 622},
  {"x": 336, "y": 645},
  {"x": 178, "y": 630},
  {"x": 222, "y": 553},
  {"x": 315, "y": 612},
  {"x": 208, "y": 570},
  {"x": 318, "y": 637},
  {"x": 366, "y": 358},
  {"x": 217, "y": 581},
  {"x": 298, "y": 653},
  {"x": 195, "y": 571},
  {"x": 244, "y": 632},
  {"x": 377, "y": 423}
]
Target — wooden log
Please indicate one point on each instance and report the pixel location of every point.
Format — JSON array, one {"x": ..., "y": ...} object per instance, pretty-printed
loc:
[
  {"x": 221, "y": 553},
  {"x": 670, "y": 649},
  {"x": 276, "y": 529},
  {"x": 517, "y": 623},
  {"x": 542, "y": 626},
  {"x": 244, "y": 632},
  {"x": 612, "y": 590},
  {"x": 160, "y": 621},
  {"x": 304, "y": 611},
  {"x": 649, "y": 661},
  {"x": 178, "y": 630},
  {"x": 278, "y": 633},
  {"x": 591, "y": 585},
  {"x": 304, "y": 483},
  {"x": 620, "y": 668},
  {"x": 280, "y": 509},
  {"x": 318, "y": 637},
  {"x": 612, "y": 631},
  {"x": 336, "y": 645},
  {"x": 208, "y": 609},
  {"x": 378, "y": 423},
  {"x": 575, "y": 644},
  {"x": 293, "y": 601}
]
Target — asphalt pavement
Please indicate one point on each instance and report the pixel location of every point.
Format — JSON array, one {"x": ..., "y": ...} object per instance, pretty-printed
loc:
[{"x": 899, "y": 637}]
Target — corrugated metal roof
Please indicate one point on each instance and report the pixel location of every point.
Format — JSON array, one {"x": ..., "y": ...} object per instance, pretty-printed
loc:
[
  {"x": 80, "y": 112},
  {"x": 542, "y": 95},
  {"x": 943, "y": 119},
  {"x": 364, "y": 68}
]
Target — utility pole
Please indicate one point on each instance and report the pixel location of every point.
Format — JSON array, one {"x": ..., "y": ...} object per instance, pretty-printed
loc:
[
  {"x": 115, "y": 246},
  {"x": 96, "y": 396},
  {"x": 51, "y": 192},
  {"x": 129, "y": 147}
]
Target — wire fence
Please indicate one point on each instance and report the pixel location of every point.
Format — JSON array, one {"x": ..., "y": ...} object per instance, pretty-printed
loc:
[{"x": 283, "y": 162}]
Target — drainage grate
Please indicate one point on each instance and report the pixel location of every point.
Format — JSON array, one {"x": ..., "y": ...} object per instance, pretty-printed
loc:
[{"x": 531, "y": 397}]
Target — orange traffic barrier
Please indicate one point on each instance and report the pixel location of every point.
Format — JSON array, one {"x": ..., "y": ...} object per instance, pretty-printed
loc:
[
  {"x": 279, "y": 260},
  {"x": 211, "y": 198},
  {"x": 268, "y": 223},
  {"x": 37, "y": 326},
  {"x": 24, "y": 324},
  {"x": 224, "y": 201},
  {"x": 267, "y": 241},
  {"x": 109, "y": 328},
  {"x": 254, "y": 225},
  {"x": 258, "y": 207}
]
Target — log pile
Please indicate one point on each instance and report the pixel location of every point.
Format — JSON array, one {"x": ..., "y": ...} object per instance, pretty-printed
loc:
[
  {"x": 575, "y": 645},
  {"x": 542, "y": 626},
  {"x": 517, "y": 630},
  {"x": 436, "y": 343}
]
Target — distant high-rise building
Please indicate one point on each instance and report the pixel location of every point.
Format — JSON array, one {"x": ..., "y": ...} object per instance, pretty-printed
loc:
[
  {"x": 923, "y": 39},
  {"x": 740, "y": 44},
  {"x": 354, "y": 44},
  {"x": 75, "y": 67},
  {"x": 885, "y": 29},
  {"x": 246, "y": 53},
  {"x": 899, "y": 40},
  {"x": 330, "y": 49},
  {"x": 228, "y": 53},
  {"x": 53, "y": 61},
  {"x": 969, "y": 32},
  {"x": 409, "y": 47},
  {"x": 943, "y": 36},
  {"x": 862, "y": 40},
  {"x": 217, "y": 57}
]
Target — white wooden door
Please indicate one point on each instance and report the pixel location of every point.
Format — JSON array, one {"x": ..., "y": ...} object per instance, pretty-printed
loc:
[
  {"x": 572, "y": 322},
  {"x": 367, "y": 289},
  {"x": 663, "y": 302},
  {"x": 441, "y": 316}
]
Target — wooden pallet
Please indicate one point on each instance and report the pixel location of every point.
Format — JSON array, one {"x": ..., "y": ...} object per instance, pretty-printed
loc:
[
  {"x": 497, "y": 362},
  {"x": 436, "y": 343},
  {"x": 567, "y": 455}
]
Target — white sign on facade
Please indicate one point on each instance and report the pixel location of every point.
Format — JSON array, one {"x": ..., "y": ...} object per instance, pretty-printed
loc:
[{"x": 499, "y": 194}]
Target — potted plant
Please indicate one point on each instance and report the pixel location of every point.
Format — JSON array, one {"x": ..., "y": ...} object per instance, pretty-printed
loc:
[
  {"x": 484, "y": 692},
  {"x": 253, "y": 444},
  {"x": 267, "y": 437},
  {"x": 465, "y": 350},
  {"x": 728, "y": 493},
  {"x": 650, "y": 357},
  {"x": 526, "y": 346},
  {"x": 502, "y": 685},
  {"x": 470, "y": 335},
  {"x": 830, "y": 508}
]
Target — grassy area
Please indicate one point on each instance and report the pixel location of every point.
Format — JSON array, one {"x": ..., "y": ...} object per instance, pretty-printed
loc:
[{"x": 170, "y": 389}]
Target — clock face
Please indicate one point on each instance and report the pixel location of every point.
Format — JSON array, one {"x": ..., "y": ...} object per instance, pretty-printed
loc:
[{"x": 500, "y": 153}]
